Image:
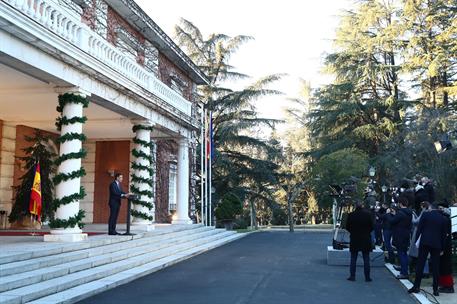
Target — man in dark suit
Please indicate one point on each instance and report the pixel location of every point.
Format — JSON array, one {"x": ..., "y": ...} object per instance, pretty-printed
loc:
[
  {"x": 432, "y": 233},
  {"x": 360, "y": 224},
  {"x": 115, "y": 196},
  {"x": 401, "y": 224}
]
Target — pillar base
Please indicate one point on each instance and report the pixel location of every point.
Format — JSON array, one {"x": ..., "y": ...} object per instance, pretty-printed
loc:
[
  {"x": 182, "y": 222},
  {"x": 142, "y": 227},
  {"x": 65, "y": 238}
]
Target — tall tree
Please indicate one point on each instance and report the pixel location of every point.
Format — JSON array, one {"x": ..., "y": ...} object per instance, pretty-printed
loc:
[
  {"x": 241, "y": 162},
  {"x": 430, "y": 51}
]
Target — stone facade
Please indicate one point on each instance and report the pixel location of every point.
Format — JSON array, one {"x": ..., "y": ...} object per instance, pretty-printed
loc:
[
  {"x": 88, "y": 181},
  {"x": 7, "y": 148},
  {"x": 168, "y": 72},
  {"x": 166, "y": 151}
]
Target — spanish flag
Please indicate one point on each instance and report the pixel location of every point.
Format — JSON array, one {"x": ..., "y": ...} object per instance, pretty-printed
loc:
[{"x": 35, "y": 194}]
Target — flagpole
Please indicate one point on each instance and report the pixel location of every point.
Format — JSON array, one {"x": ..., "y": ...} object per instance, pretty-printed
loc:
[
  {"x": 206, "y": 169},
  {"x": 210, "y": 135},
  {"x": 202, "y": 166}
]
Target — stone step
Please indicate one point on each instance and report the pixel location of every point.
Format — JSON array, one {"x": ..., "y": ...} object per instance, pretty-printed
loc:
[
  {"x": 66, "y": 257},
  {"x": 88, "y": 261},
  {"x": 47, "y": 249},
  {"x": 38, "y": 290},
  {"x": 84, "y": 291}
]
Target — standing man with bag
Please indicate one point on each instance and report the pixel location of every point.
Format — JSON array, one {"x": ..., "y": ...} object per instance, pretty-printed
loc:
[
  {"x": 115, "y": 196},
  {"x": 360, "y": 224}
]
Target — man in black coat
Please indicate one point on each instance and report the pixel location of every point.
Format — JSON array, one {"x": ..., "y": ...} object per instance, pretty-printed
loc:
[
  {"x": 360, "y": 224},
  {"x": 115, "y": 196},
  {"x": 432, "y": 233},
  {"x": 401, "y": 224}
]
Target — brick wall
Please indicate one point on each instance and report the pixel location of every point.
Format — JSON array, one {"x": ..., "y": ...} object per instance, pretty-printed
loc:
[
  {"x": 165, "y": 149},
  {"x": 115, "y": 21},
  {"x": 168, "y": 68}
]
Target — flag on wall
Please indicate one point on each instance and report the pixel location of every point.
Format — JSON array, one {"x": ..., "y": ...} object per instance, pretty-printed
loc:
[{"x": 35, "y": 194}]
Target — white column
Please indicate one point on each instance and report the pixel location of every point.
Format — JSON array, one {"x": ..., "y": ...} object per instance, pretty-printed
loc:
[
  {"x": 182, "y": 208},
  {"x": 71, "y": 186},
  {"x": 139, "y": 223}
]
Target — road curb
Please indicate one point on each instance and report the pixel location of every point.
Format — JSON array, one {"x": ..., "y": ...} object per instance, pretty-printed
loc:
[{"x": 419, "y": 297}]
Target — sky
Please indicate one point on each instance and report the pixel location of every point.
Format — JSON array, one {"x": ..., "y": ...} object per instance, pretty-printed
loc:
[{"x": 290, "y": 36}]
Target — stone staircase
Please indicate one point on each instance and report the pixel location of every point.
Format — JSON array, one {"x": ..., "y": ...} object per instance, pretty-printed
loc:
[{"x": 67, "y": 273}]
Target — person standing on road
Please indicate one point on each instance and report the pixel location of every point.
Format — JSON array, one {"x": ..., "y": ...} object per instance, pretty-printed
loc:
[
  {"x": 360, "y": 224},
  {"x": 387, "y": 234},
  {"x": 115, "y": 196},
  {"x": 431, "y": 236},
  {"x": 401, "y": 224},
  {"x": 446, "y": 280}
]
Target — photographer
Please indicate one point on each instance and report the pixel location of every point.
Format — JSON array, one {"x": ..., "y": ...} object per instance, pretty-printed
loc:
[
  {"x": 401, "y": 230},
  {"x": 424, "y": 193},
  {"x": 407, "y": 191}
]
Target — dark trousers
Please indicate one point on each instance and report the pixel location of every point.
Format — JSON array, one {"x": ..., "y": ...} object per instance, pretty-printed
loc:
[
  {"x": 387, "y": 233},
  {"x": 424, "y": 250},
  {"x": 366, "y": 263},
  {"x": 113, "y": 214},
  {"x": 403, "y": 257}
]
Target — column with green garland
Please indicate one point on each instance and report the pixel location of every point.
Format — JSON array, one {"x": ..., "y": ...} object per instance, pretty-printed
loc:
[
  {"x": 183, "y": 184},
  {"x": 142, "y": 181},
  {"x": 67, "y": 222}
]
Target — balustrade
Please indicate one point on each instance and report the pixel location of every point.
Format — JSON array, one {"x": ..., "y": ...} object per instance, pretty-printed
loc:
[{"x": 67, "y": 24}]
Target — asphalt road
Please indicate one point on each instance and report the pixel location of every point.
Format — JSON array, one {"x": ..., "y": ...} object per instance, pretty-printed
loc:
[{"x": 262, "y": 268}]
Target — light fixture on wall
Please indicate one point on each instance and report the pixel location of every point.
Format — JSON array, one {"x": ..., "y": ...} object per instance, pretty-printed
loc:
[{"x": 111, "y": 172}]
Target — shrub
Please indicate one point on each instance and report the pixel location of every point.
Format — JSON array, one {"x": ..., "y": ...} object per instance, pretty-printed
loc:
[{"x": 228, "y": 208}]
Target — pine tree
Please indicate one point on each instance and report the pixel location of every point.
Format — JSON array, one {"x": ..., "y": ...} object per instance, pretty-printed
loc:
[
  {"x": 36, "y": 152},
  {"x": 240, "y": 164}
]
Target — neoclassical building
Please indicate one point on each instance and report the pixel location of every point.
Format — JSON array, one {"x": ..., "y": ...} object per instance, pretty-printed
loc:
[{"x": 125, "y": 95}]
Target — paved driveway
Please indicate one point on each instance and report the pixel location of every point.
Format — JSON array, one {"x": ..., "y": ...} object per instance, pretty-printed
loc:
[{"x": 262, "y": 268}]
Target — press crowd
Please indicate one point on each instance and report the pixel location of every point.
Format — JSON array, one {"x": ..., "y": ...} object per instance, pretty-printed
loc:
[{"x": 419, "y": 230}]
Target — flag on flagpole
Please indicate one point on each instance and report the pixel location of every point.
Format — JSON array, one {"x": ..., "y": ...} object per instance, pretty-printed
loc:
[
  {"x": 209, "y": 138},
  {"x": 35, "y": 194}
]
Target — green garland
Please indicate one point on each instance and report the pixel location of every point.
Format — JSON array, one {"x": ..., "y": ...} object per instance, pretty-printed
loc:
[
  {"x": 139, "y": 154},
  {"x": 142, "y": 167},
  {"x": 70, "y": 222},
  {"x": 63, "y": 177},
  {"x": 69, "y": 121},
  {"x": 70, "y": 198},
  {"x": 141, "y": 192},
  {"x": 139, "y": 179},
  {"x": 142, "y": 127},
  {"x": 64, "y": 100},
  {"x": 73, "y": 155},
  {"x": 71, "y": 136},
  {"x": 138, "y": 214},
  {"x": 144, "y": 203},
  {"x": 68, "y": 98}
]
